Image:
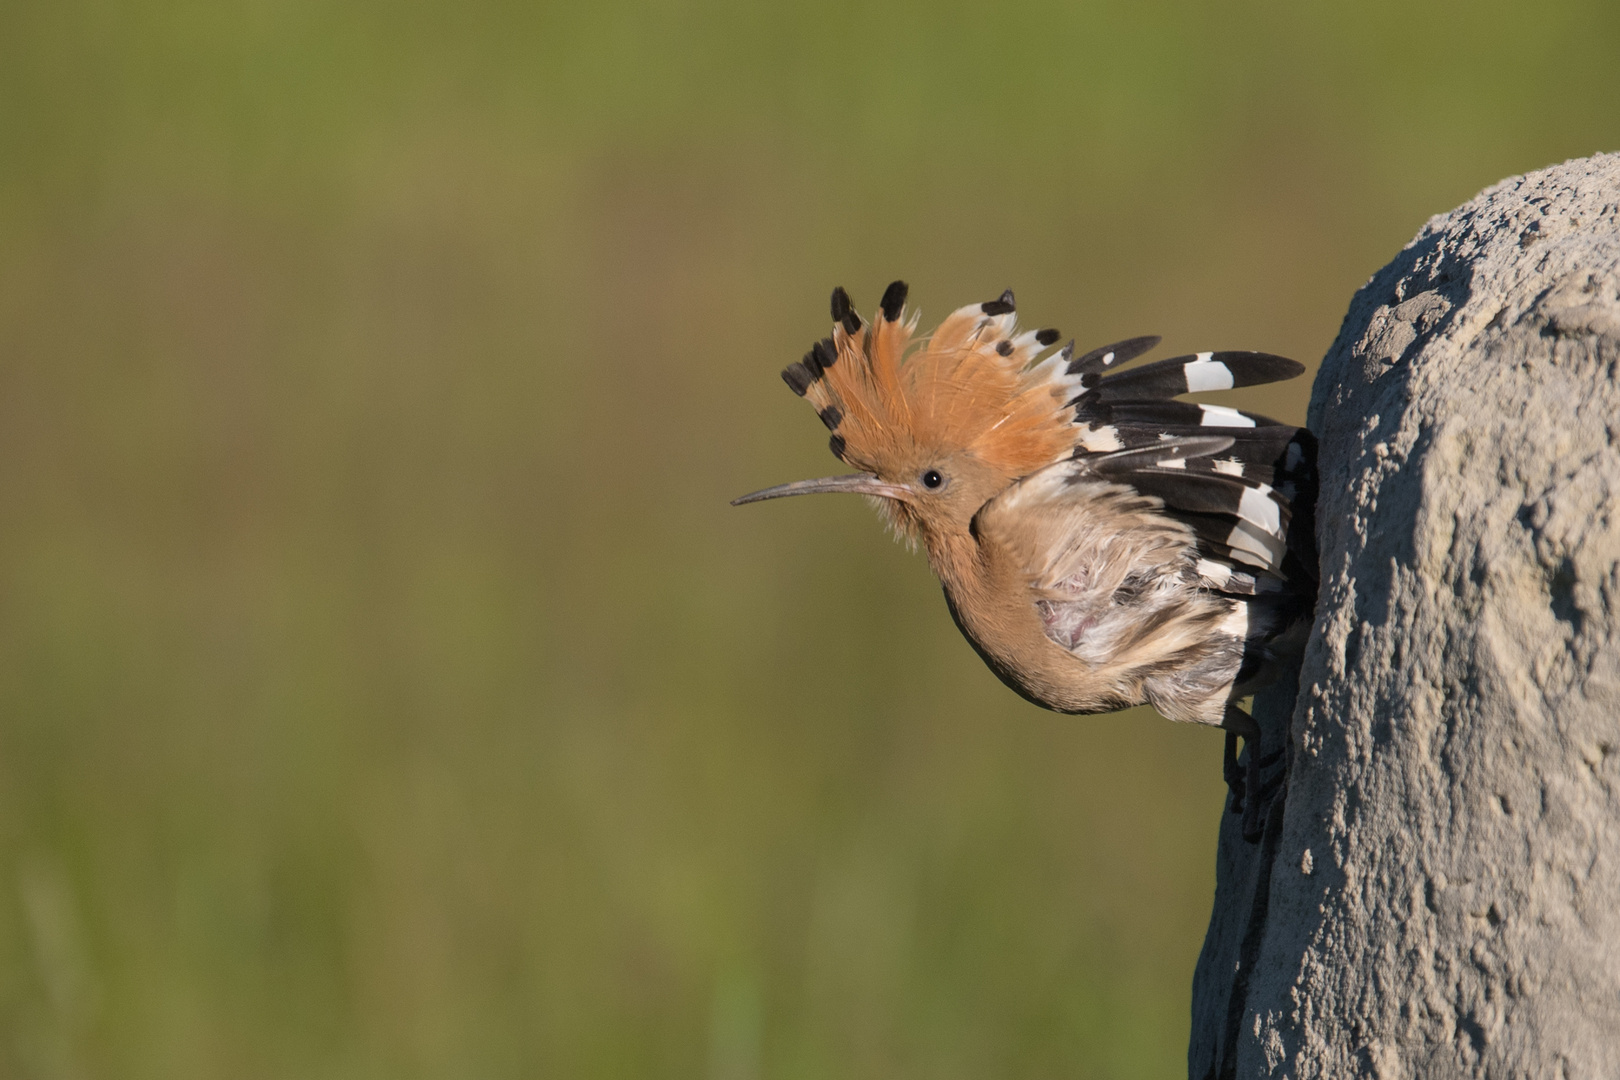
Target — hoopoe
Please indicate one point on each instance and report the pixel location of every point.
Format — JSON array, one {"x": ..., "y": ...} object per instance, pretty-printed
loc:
[{"x": 1101, "y": 545}]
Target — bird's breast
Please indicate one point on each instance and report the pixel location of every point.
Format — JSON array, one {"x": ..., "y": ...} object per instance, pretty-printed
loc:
[{"x": 1008, "y": 632}]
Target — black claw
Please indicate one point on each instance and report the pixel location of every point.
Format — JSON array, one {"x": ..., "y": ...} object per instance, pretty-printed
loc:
[
  {"x": 1002, "y": 306},
  {"x": 894, "y": 298}
]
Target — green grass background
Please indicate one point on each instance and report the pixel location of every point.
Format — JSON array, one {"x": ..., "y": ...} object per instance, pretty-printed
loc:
[{"x": 386, "y": 688}]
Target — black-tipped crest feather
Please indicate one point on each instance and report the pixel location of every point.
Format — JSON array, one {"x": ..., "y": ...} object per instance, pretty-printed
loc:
[
  {"x": 797, "y": 378},
  {"x": 1003, "y": 305},
  {"x": 840, "y": 304},
  {"x": 894, "y": 299}
]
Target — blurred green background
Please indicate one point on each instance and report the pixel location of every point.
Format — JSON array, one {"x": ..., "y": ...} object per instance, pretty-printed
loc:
[{"x": 386, "y": 688}]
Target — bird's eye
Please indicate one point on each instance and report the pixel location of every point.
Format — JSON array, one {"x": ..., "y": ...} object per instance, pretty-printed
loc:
[{"x": 932, "y": 480}]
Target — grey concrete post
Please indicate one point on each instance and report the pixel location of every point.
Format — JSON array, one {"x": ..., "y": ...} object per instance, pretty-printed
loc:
[{"x": 1437, "y": 891}]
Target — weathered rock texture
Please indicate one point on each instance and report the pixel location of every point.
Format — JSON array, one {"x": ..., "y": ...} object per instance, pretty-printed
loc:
[{"x": 1437, "y": 893}]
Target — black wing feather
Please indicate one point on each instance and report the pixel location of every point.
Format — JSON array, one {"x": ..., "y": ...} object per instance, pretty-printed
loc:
[
  {"x": 1121, "y": 465},
  {"x": 1285, "y": 451},
  {"x": 1164, "y": 414},
  {"x": 1099, "y": 360},
  {"x": 1201, "y": 371},
  {"x": 1197, "y": 492}
]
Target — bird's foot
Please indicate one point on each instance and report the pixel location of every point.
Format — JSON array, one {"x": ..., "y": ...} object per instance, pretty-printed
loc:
[
  {"x": 1251, "y": 796},
  {"x": 1233, "y": 775}
]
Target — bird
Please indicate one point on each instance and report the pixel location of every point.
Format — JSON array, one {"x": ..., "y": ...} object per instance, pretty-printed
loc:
[{"x": 1100, "y": 543}]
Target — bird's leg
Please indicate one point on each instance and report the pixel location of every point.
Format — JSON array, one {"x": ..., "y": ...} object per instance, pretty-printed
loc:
[
  {"x": 1238, "y": 722},
  {"x": 1253, "y": 827},
  {"x": 1233, "y": 775},
  {"x": 1250, "y": 796}
]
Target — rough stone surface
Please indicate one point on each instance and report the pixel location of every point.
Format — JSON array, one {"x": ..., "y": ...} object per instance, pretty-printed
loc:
[{"x": 1437, "y": 893}]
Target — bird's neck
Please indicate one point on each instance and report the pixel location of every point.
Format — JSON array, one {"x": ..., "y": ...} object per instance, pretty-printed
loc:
[{"x": 957, "y": 562}]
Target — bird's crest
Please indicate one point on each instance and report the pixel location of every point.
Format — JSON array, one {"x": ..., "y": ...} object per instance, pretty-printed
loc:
[{"x": 970, "y": 385}]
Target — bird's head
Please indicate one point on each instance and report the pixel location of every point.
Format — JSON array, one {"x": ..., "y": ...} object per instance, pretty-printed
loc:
[{"x": 940, "y": 425}]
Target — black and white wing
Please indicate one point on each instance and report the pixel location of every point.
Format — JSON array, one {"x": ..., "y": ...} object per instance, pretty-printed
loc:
[{"x": 1250, "y": 503}]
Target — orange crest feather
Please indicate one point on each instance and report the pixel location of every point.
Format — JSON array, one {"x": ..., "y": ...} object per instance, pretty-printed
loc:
[{"x": 967, "y": 386}]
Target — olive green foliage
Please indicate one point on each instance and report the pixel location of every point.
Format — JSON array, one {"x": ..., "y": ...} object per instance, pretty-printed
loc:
[{"x": 386, "y": 688}]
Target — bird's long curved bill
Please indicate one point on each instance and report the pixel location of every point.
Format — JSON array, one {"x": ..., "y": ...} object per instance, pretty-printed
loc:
[{"x": 855, "y": 484}]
